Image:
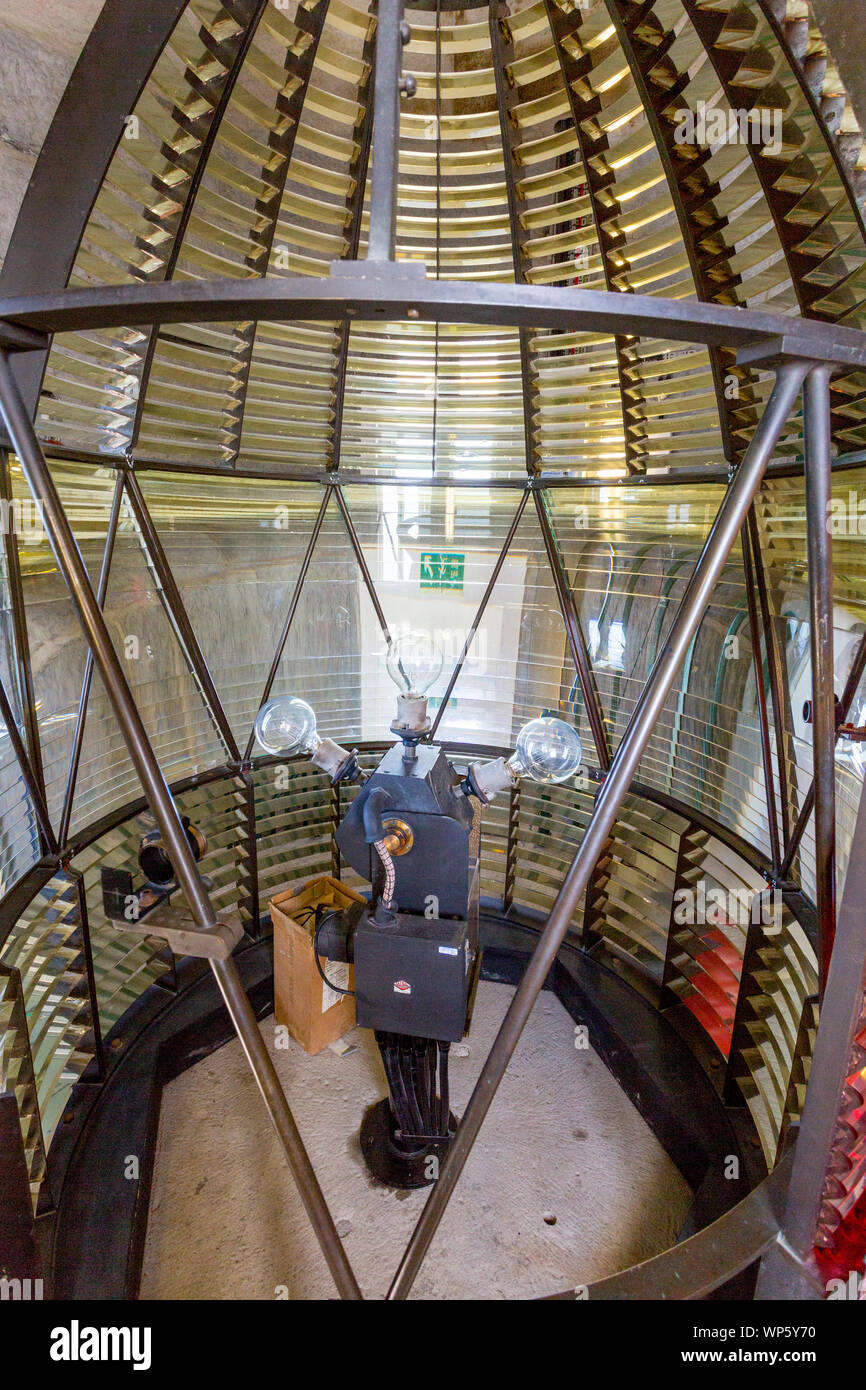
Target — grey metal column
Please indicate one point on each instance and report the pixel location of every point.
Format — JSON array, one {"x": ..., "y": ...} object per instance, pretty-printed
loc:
[
  {"x": 787, "y": 1270},
  {"x": 72, "y": 567},
  {"x": 731, "y": 517},
  {"x": 816, "y": 410},
  {"x": 386, "y": 131}
]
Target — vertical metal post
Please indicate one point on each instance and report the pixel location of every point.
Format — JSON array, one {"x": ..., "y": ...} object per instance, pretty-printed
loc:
[
  {"x": 763, "y": 720},
  {"x": 816, "y": 410},
  {"x": 731, "y": 517},
  {"x": 386, "y": 131},
  {"x": 156, "y": 789},
  {"x": 787, "y": 1271}
]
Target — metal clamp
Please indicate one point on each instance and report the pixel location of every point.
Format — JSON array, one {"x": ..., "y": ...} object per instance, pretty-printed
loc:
[{"x": 178, "y": 927}]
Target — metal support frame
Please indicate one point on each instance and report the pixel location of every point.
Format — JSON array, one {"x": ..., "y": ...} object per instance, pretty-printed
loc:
[
  {"x": 377, "y": 290},
  {"x": 731, "y": 517},
  {"x": 167, "y": 816},
  {"x": 370, "y": 290},
  {"x": 788, "y": 1270},
  {"x": 816, "y": 409},
  {"x": 179, "y": 930},
  {"x": 386, "y": 130}
]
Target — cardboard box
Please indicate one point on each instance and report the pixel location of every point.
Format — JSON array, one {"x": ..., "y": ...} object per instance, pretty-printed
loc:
[{"x": 313, "y": 1014}]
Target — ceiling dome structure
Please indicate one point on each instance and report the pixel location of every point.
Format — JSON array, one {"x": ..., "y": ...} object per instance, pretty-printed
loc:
[
  {"x": 541, "y": 331},
  {"x": 679, "y": 150}
]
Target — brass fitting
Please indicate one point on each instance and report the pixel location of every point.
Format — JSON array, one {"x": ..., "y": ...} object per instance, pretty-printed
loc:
[{"x": 399, "y": 839}]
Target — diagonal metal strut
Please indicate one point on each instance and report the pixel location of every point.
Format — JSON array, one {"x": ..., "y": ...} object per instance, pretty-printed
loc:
[
  {"x": 96, "y": 632},
  {"x": 731, "y": 517}
]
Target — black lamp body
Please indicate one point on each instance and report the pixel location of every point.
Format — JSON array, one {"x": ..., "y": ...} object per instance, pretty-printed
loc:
[{"x": 416, "y": 966}]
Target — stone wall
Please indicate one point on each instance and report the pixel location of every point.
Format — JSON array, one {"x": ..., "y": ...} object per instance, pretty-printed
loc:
[{"x": 40, "y": 41}]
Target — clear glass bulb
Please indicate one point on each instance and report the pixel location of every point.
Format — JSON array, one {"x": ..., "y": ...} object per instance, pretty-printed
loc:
[
  {"x": 413, "y": 663},
  {"x": 547, "y": 750},
  {"x": 287, "y": 725}
]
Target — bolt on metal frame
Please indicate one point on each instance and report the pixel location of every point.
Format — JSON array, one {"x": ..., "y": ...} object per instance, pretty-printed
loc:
[{"x": 803, "y": 355}]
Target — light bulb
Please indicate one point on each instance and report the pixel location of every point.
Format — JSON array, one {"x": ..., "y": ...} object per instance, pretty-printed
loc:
[
  {"x": 287, "y": 725},
  {"x": 547, "y": 750},
  {"x": 413, "y": 663}
]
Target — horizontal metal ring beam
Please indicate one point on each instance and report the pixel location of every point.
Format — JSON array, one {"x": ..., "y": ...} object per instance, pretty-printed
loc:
[
  {"x": 401, "y": 290},
  {"x": 541, "y": 482}
]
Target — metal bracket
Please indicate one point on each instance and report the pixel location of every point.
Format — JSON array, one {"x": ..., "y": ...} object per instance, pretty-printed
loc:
[
  {"x": 17, "y": 338},
  {"x": 774, "y": 353},
  {"x": 179, "y": 929}
]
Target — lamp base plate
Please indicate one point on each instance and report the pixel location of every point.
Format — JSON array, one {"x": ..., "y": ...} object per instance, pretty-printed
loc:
[{"x": 416, "y": 1165}]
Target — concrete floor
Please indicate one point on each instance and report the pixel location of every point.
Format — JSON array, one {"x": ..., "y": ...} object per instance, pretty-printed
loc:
[{"x": 565, "y": 1183}]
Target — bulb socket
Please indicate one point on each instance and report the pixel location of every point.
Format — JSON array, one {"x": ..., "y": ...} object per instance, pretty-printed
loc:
[
  {"x": 332, "y": 758},
  {"x": 411, "y": 714}
]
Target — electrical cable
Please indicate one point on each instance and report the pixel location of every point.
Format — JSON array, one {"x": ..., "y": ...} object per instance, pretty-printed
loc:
[
  {"x": 338, "y": 989},
  {"x": 390, "y": 874}
]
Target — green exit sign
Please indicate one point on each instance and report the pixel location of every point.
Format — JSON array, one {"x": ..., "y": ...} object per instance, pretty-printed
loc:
[{"x": 441, "y": 570}]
